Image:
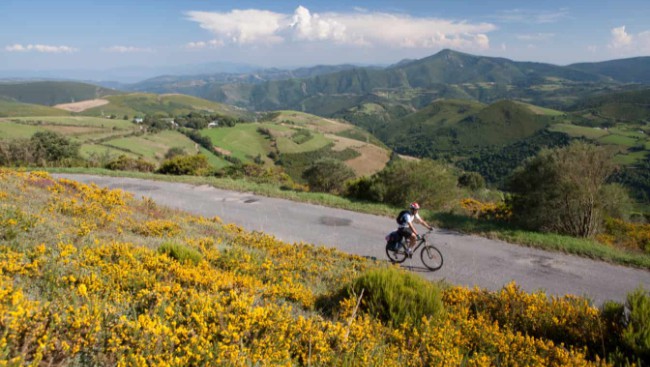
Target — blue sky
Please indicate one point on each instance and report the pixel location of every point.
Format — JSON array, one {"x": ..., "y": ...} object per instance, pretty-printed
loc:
[{"x": 76, "y": 34}]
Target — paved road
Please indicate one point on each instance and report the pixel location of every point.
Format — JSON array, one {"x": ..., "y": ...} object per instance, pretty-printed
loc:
[{"x": 469, "y": 260}]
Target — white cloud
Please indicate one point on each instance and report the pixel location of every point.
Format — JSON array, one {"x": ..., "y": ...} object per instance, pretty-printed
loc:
[
  {"x": 531, "y": 16},
  {"x": 202, "y": 44},
  {"x": 126, "y": 49},
  {"x": 241, "y": 26},
  {"x": 535, "y": 37},
  {"x": 358, "y": 28},
  {"x": 40, "y": 48},
  {"x": 625, "y": 42}
]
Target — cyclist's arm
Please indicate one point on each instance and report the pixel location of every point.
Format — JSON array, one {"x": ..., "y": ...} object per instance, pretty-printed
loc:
[
  {"x": 413, "y": 228},
  {"x": 424, "y": 223}
]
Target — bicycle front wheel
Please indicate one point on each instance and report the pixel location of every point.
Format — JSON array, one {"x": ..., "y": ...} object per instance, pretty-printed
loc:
[
  {"x": 398, "y": 256},
  {"x": 431, "y": 257}
]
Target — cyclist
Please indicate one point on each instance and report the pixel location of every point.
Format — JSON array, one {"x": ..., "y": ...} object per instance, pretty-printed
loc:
[{"x": 406, "y": 228}]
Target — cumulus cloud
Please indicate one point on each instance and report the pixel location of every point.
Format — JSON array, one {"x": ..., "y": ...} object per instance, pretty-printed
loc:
[
  {"x": 126, "y": 49},
  {"x": 357, "y": 28},
  {"x": 241, "y": 26},
  {"x": 40, "y": 48},
  {"x": 625, "y": 42}
]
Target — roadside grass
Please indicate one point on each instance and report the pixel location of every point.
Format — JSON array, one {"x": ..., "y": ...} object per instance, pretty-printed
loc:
[
  {"x": 551, "y": 242},
  {"x": 546, "y": 241}
]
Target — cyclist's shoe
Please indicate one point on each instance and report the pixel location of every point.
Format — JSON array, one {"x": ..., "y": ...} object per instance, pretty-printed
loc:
[{"x": 409, "y": 253}]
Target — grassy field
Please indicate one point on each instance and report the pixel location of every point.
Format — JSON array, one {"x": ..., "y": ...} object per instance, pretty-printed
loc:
[
  {"x": 10, "y": 108},
  {"x": 110, "y": 138},
  {"x": 154, "y": 146},
  {"x": 241, "y": 141},
  {"x": 580, "y": 131},
  {"x": 621, "y": 140},
  {"x": 623, "y": 137},
  {"x": 12, "y": 130},
  {"x": 77, "y": 121},
  {"x": 140, "y": 104}
]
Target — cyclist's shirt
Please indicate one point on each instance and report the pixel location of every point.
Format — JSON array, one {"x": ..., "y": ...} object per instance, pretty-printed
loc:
[{"x": 409, "y": 219}]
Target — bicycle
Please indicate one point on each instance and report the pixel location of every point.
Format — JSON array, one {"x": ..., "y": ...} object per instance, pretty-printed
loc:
[{"x": 430, "y": 255}]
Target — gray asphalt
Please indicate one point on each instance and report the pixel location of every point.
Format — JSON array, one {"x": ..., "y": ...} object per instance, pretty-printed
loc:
[{"x": 468, "y": 260}]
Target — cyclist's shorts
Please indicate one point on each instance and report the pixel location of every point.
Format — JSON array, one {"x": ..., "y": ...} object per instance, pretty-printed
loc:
[{"x": 405, "y": 232}]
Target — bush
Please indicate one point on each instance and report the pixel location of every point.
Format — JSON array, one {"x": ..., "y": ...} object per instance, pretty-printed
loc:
[
  {"x": 53, "y": 147},
  {"x": 194, "y": 165},
  {"x": 396, "y": 296},
  {"x": 430, "y": 183},
  {"x": 327, "y": 175},
  {"x": 181, "y": 253},
  {"x": 43, "y": 148},
  {"x": 471, "y": 180},
  {"x": 174, "y": 152},
  {"x": 636, "y": 335},
  {"x": 124, "y": 163}
]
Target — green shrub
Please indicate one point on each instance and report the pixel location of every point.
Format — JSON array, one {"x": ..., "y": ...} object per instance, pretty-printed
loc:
[
  {"x": 327, "y": 175},
  {"x": 124, "y": 163},
  {"x": 54, "y": 147},
  {"x": 174, "y": 152},
  {"x": 471, "y": 180},
  {"x": 194, "y": 165},
  {"x": 181, "y": 253},
  {"x": 396, "y": 296},
  {"x": 430, "y": 183},
  {"x": 636, "y": 335}
]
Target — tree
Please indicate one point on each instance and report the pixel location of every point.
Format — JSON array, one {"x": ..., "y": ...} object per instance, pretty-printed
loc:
[
  {"x": 564, "y": 190},
  {"x": 327, "y": 175},
  {"x": 431, "y": 183}
]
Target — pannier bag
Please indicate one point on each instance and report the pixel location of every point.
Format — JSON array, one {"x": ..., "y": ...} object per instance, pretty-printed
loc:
[{"x": 392, "y": 241}]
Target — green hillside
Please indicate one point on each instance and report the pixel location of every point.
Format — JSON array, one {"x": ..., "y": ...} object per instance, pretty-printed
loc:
[
  {"x": 50, "y": 93},
  {"x": 460, "y": 128},
  {"x": 414, "y": 84},
  {"x": 632, "y": 70},
  {"x": 631, "y": 107},
  {"x": 140, "y": 104},
  {"x": 12, "y": 108}
]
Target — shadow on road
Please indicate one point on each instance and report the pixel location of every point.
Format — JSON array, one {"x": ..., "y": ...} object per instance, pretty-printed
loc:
[
  {"x": 417, "y": 269},
  {"x": 410, "y": 267}
]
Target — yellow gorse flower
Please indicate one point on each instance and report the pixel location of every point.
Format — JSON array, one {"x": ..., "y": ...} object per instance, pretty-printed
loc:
[{"x": 94, "y": 291}]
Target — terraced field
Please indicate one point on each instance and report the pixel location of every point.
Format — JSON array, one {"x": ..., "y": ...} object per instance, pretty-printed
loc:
[
  {"x": 292, "y": 132},
  {"x": 106, "y": 137}
]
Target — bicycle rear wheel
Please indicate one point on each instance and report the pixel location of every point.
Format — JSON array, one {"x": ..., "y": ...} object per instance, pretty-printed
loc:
[
  {"x": 431, "y": 257},
  {"x": 398, "y": 256}
]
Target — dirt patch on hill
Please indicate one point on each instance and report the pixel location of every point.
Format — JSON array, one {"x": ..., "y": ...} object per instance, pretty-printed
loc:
[
  {"x": 372, "y": 160},
  {"x": 82, "y": 106},
  {"x": 222, "y": 151}
]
